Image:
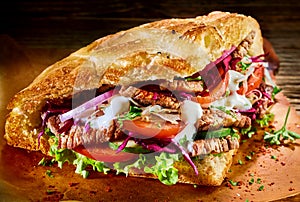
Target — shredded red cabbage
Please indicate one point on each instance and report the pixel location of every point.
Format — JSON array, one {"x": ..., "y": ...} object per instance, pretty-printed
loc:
[
  {"x": 157, "y": 148},
  {"x": 87, "y": 105},
  {"x": 49, "y": 110},
  {"x": 225, "y": 55},
  {"x": 155, "y": 96},
  {"x": 156, "y": 145},
  {"x": 186, "y": 95},
  {"x": 123, "y": 145},
  {"x": 253, "y": 112},
  {"x": 226, "y": 62},
  {"x": 87, "y": 127},
  {"x": 186, "y": 156},
  {"x": 267, "y": 95},
  {"x": 233, "y": 63},
  {"x": 39, "y": 137},
  {"x": 67, "y": 125},
  {"x": 211, "y": 73}
]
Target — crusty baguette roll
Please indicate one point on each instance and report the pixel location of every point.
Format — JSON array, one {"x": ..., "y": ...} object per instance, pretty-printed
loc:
[{"x": 159, "y": 50}]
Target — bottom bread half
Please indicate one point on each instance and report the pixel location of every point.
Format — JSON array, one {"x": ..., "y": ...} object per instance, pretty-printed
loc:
[{"x": 212, "y": 170}]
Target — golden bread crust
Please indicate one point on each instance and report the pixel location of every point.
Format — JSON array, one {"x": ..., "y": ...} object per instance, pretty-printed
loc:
[{"x": 215, "y": 33}]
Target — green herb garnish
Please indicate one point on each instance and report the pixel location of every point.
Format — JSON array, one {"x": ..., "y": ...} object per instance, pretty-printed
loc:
[
  {"x": 265, "y": 120},
  {"x": 199, "y": 78},
  {"x": 42, "y": 162},
  {"x": 261, "y": 188},
  {"x": 275, "y": 137},
  {"x": 45, "y": 162},
  {"x": 244, "y": 65},
  {"x": 258, "y": 181},
  {"x": 134, "y": 112},
  {"x": 248, "y": 131},
  {"x": 275, "y": 91},
  {"x": 233, "y": 183},
  {"x": 49, "y": 173},
  {"x": 248, "y": 157},
  {"x": 251, "y": 181}
]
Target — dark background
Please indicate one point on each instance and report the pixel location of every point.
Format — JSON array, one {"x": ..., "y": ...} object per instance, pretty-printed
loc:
[
  {"x": 76, "y": 23},
  {"x": 69, "y": 25}
]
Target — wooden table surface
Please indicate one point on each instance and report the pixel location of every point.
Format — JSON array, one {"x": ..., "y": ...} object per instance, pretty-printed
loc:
[{"x": 65, "y": 26}]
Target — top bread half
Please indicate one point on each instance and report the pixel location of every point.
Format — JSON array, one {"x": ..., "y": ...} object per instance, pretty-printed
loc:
[{"x": 158, "y": 50}]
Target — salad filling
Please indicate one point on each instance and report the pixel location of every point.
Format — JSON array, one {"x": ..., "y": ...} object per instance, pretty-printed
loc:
[{"x": 145, "y": 124}]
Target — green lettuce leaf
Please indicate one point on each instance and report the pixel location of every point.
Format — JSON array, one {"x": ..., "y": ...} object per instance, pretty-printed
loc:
[
  {"x": 265, "y": 120},
  {"x": 125, "y": 167},
  {"x": 164, "y": 169},
  {"x": 160, "y": 166},
  {"x": 82, "y": 162}
]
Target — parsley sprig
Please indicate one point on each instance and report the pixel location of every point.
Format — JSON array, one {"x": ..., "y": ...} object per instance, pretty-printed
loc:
[
  {"x": 275, "y": 137},
  {"x": 264, "y": 121},
  {"x": 275, "y": 91}
]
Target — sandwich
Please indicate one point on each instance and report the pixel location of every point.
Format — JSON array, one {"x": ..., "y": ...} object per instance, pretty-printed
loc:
[{"x": 169, "y": 100}]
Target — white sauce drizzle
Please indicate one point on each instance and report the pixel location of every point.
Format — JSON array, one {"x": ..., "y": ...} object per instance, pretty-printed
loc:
[
  {"x": 118, "y": 104},
  {"x": 234, "y": 100},
  {"x": 190, "y": 113}
]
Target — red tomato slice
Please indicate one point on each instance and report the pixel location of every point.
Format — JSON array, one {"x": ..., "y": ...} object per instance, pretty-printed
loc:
[
  {"x": 104, "y": 153},
  {"x": 214, "y": 94},
  {"x": 253, "y": 81},
  {"x": 144, "y": 129}
]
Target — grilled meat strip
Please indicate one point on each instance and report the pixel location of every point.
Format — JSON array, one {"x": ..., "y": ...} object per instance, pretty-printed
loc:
[
  {"x": 214, "y": 118},
  {"x": 145, "y": 97},
  {"x": 182, "y": 85},
  {"x": 244, "y": 46},
  {"x": 80, "y": 135},
  {"x": 214, "y": 145}
]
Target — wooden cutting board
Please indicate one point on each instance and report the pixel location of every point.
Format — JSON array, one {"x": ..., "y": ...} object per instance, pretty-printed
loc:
[{"x": 21, "y": 179}]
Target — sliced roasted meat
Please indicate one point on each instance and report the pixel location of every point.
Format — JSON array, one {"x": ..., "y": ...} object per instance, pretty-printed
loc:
[
  {"x": 214, "y": 145},
  {"x": 214, "y": 118},
  {"x": 145, "y": 97},
  {"x": 183, "y": 85},
  {"x": 244, "y": 46},
  {"x": 81, "y": 135}
]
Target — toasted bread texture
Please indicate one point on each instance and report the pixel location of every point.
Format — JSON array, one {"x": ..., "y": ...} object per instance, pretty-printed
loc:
[
  {"x": 212, "y": 170},
  {"x": 158, "y": 50}
]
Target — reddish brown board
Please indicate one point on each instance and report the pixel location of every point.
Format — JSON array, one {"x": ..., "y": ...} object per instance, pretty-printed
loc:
[{"x": 21, "y": 178}]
